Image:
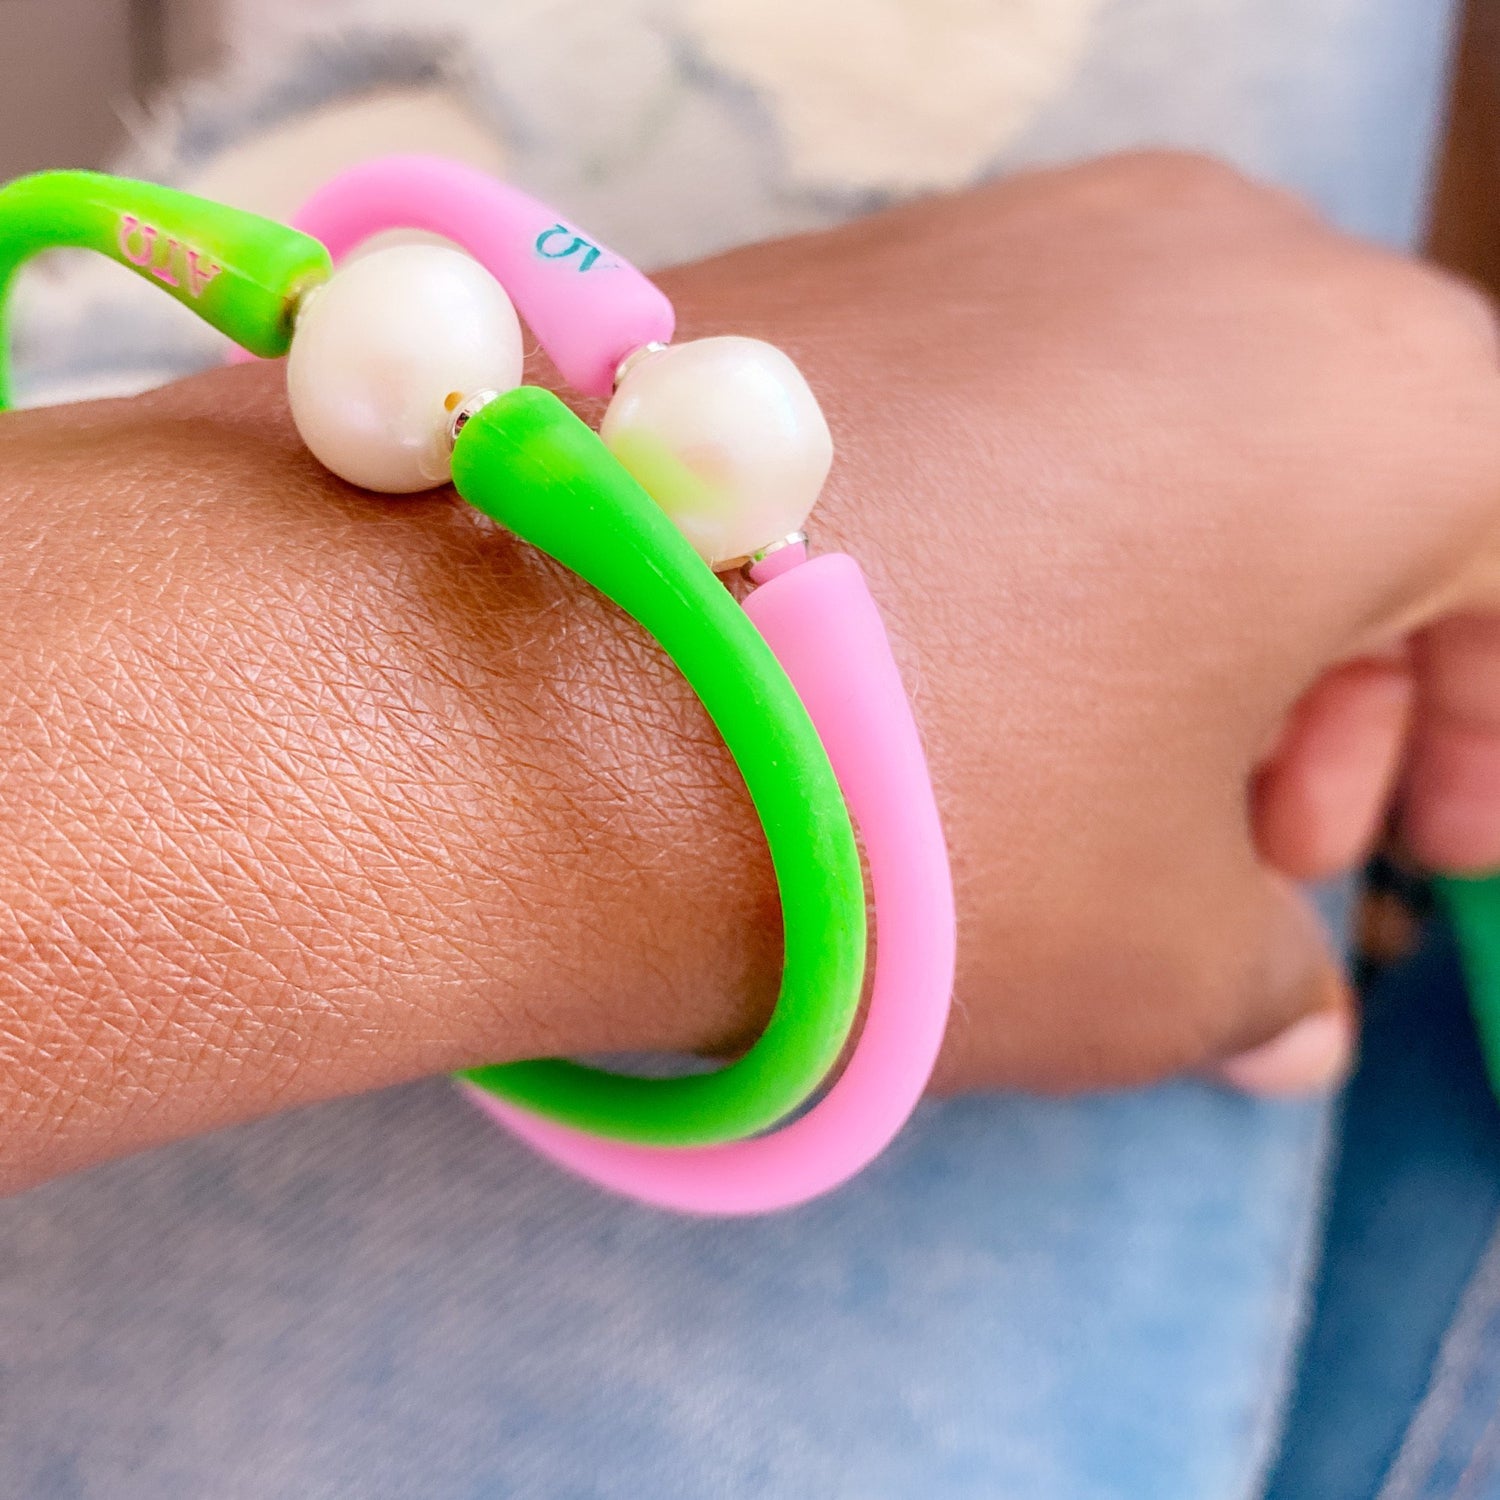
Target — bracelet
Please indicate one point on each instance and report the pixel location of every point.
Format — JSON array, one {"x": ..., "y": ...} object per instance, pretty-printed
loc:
[
  {"x": 821, "y": 622},
  {"x": 600, "y": 322},
  {"x": 451, "y": 329},
  {"x": 397, "y": 417},
  {"x": 522, "y": 458},
  {"x": 238, "y": 272}
]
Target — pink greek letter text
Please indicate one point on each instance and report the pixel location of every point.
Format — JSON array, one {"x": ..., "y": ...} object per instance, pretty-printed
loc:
[
  {"x": 130, "y": 227},
  {"x": 163, "y": 272},
  {"x": 200, "y": 273}
]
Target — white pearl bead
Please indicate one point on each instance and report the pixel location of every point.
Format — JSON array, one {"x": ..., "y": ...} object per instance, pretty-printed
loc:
[
  {"x": 384, "y": 351},
  {"x": 724, "y": 434}
]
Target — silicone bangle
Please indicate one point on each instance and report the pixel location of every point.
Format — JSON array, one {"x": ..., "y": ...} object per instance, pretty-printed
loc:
[
  {"x": 820, "y": 620},
  {"x": 525, "y": 445},
  {"x": 823, "y": 625},
  {"x": 589, "y": 307},
  {"x": 527, "y": 461},
  {"x": 243, "y": 274}
]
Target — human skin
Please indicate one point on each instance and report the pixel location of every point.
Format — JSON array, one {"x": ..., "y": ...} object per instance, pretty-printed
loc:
[{"x": 1184, "y": 512}]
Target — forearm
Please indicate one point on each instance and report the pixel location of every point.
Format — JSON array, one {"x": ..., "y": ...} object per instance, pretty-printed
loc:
[{"x": 307, "y": 792}]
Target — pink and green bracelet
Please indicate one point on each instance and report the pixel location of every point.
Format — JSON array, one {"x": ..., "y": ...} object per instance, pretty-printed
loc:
[{"x": 404, "y": 368}]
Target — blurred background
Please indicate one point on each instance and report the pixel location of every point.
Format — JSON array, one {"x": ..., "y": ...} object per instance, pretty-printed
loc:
[
  {"x": 79, "y": 72},
  {"x": 75, "y": 70}
]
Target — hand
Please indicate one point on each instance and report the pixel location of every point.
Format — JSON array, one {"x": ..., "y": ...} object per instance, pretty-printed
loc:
[
  {"x": 1186, "y": 510},
  {"x": 1175, "y": 500}
]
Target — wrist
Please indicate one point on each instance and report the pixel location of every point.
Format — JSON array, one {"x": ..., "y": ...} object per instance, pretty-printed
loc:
[{"x": 373, "y": 793}]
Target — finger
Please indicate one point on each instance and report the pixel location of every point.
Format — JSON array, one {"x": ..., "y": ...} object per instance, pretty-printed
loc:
[
  {"x": 1311, "y": 1055},
  {"x": 1320, "y": 801},
  {"x": 1312, "y": 1050},
  {"x": 1451, "y": 796}
]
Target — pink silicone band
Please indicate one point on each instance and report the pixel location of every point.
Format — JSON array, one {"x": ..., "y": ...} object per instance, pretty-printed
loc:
[
  {"x": 587, "y": 306},
  {"x": 819, "y": 619},
  {"x": 824, "y": 627}
]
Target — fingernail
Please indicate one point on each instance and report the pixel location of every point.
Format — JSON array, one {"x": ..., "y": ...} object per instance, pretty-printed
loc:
[{"x": 1311, "y": 1055}]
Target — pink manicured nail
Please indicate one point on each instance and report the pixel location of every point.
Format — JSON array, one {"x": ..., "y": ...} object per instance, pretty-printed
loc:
[{"x": 1311, "y": 1055}]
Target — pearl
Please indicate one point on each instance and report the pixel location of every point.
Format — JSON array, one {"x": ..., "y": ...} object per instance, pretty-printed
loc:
[
  {"x": 724, "y": 434},
  {"x": 386, "y": 350}
]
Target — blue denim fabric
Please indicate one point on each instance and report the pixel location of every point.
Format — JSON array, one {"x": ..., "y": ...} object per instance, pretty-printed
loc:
[
  {"x": 1088, "y": 1300},
  {"x": 1415, "y": 1201},
  {"x": 1452, "y": 1451},
  {"x": 1407, "y": 1316}
]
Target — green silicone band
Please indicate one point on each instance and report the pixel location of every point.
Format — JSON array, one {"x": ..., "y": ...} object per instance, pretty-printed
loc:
[
  {"x": 527, "y": 461},
  {"x": 241, "y": 273}
]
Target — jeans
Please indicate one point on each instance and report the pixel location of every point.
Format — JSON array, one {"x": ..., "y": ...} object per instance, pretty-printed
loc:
[
  {"x": 1407, "y": 1310},
  {"x": 1087, "y": 1299}
]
